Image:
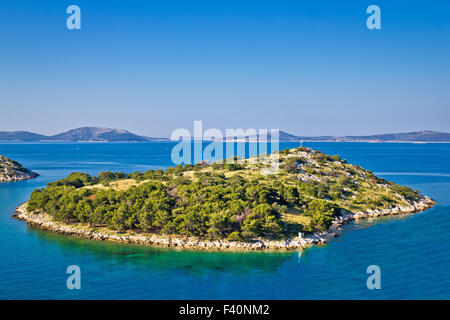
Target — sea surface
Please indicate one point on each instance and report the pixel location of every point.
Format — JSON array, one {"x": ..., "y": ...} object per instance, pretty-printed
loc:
[{"x": 413, "y": 252}]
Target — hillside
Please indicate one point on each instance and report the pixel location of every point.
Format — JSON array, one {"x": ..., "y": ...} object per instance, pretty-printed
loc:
[
  {"x": 84, "y": 134},
  {"x": 20, "y": 136},
  {"x": 311, "y": 193},
  {"x": 417, "y": 136},
  {"x": 98, "y": 134},
  {"x": 11, "y": 170}
]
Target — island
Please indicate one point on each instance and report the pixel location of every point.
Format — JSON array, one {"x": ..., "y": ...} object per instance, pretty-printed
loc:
[
  {"x": 83, "y": 134},
  {"x": 11, "y": 170},
  {"x": 221, "y": 206},
  {"x": 101, "y": 134}
]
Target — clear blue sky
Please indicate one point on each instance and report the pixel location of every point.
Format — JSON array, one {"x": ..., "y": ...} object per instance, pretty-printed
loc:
[{"x": 306, "y": 67}]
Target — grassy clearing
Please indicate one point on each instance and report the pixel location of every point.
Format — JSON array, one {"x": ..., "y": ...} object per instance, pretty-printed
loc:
[{"x": 119, "y": 185}]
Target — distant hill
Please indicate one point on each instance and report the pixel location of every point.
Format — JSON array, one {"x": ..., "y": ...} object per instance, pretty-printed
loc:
[
  {"x": 92, "y": 134},
  {"x": 155, "y": 139},
  {"x": 284, "y": 136},
  {"x": 85, "y": 134},
  {"x": 416, "y": 136},
  {"x": 100, "y": 134},
  {"x": 20, "y": 136}
]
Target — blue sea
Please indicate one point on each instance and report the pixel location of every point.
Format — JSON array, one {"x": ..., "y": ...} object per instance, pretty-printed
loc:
[{"x": 412, "y": 251}]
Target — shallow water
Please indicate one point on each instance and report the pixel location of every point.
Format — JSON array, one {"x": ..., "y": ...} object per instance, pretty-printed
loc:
[{"x": 412, "y": 251}]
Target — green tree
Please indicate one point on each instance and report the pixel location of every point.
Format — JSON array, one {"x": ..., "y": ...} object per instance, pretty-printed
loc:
[
  {"x": 193, "y": 223},
  {"x": 263, "y": 221},
  {"x": 220, "y": 223},
  {"x": 120, "y": 217}
]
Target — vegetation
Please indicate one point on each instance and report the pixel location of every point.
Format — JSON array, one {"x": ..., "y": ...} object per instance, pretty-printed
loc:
[
  {"x": 11, "y": 170},
  {"x": 218, "y": 201}
]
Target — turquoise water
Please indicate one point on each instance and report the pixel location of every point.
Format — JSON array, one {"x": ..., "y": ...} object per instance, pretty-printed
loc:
[{"x": 412, "y": 251}]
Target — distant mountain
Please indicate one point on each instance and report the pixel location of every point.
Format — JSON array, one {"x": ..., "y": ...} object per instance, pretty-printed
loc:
[
  {"x": 20, "y": 136},
  {"x": 97, "y": 134},
  {"x": 284, "y": 136},
  {"x": 417, "y": 136},
  {"x": 85, "y": 134},
  {"x": 155, "y": 139}
]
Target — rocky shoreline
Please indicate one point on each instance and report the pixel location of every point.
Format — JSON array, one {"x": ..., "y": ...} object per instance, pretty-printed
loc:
[
  {"x": 44, "y": 221},
  {"x": 18, "y": 177},
  {"x": 11, "y": 171}
]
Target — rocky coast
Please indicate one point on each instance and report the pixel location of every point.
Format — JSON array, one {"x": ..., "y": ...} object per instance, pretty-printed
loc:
[
  {"x": 44, "y": 221},
  {"x": 11, "y": 170}
]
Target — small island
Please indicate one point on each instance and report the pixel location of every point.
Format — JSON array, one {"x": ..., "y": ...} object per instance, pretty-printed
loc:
[
  {"x": 11, "y": 170},
  {"x": 221, "y": 206}
]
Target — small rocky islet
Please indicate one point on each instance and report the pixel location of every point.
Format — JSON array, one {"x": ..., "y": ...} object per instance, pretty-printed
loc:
[
  {"x": 231, "y": 205},
  {"x": 11, "y": 170}
]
